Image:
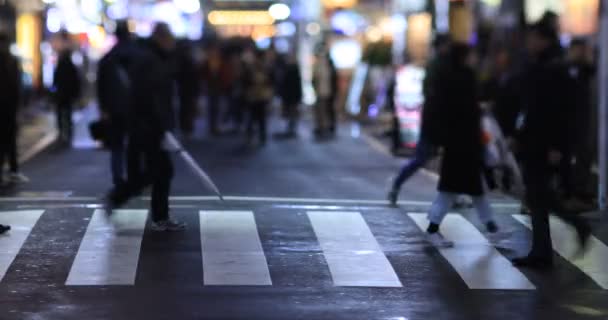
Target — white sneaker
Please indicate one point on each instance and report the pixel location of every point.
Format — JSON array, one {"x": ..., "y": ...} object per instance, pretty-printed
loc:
[
  {"x": 168, "y": 225},
  {"x": 437, "y": 240},
  {"x": 18, "y": 178},
  {"x": 498, "y": 236}
]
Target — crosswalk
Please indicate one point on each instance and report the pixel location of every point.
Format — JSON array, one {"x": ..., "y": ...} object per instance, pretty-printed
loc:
[{"x": 234, "y": 254}]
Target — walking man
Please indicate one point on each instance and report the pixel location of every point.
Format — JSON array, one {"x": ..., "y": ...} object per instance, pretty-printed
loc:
[
  {"x": 542, "y": 141},
  {"x": 66, "y": 83},
  {"x": 114, "y": 92},
  {"x": 151, "y": 117}
]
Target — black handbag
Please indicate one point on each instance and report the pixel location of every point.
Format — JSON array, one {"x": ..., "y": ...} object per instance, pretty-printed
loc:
[{"x": 99, "y": 130}]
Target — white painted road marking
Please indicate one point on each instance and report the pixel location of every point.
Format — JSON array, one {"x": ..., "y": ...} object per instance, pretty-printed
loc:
[
  {"x": 595, "y": 262},
  {"x": 22, "y": 223},
  {"x": 232, "y": 250},
  {"x": 354, "y": 256},
  {"x": 503, "y": 205},
  {"x": 108, "y": 255},
  {"x": 477, "y": 262}
]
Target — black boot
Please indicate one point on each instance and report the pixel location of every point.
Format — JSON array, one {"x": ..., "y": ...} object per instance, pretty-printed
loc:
[
  {"x": 4, "y": 228},
  {"x": 533, "y": 262}
]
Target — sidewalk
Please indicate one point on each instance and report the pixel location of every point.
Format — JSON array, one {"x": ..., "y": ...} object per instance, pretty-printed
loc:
[{"x": 36, "y": 132}]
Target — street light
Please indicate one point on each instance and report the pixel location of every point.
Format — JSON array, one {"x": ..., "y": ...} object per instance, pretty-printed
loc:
[{"x": 279, "y": 11}]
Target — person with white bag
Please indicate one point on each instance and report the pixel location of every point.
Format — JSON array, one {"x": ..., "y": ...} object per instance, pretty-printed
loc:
[{"x": 151, "y": 118}]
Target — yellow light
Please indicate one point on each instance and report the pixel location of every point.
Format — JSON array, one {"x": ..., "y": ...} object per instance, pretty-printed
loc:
[
  {"x": 28, "y": 41},
  {"x": 332, "y": 4},
  {"x": 240, "y": 17}
]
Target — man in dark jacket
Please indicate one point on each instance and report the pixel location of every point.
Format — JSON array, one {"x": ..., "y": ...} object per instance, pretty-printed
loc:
[
  {"x": 151, "y": 117},
  {"x": 542, "y": 140},
  {"x": 10, "y": 89},
  {"x": 114, "y": 92},
  {"x": 66, "y": 83}
]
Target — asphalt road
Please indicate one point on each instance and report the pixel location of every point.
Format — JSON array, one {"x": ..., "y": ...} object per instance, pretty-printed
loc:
[{"x": 305, "y": 233}]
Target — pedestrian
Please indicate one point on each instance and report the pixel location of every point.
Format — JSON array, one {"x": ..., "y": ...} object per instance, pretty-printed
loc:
[
  {"x": 217, "y": 78},
  {"x": 151, "y": 117},
  {"x": 114, "y": 93},
  {"x": 459, "y": 133},
  {"x": 502, "y": 92},
  {"x": 542, "y": 140},
  {"x": 67, "y": 86},
  {"x": 426, "y": 142},
  {"x": 577, "y": 161},
  {"x": 10, "y": 94},
  {"x": 325, "y": 81},
  {"x": 291, "y": 95},
  {"x": 259, "y": 95}
]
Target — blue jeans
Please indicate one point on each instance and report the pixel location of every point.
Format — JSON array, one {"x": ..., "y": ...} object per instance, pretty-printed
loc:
[
  {"x": 424, "y": 152},
  {"x": 445, "y": 201}
]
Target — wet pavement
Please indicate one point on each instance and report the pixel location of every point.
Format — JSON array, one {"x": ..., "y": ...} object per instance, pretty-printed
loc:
[{"x": 305, "y": 233}]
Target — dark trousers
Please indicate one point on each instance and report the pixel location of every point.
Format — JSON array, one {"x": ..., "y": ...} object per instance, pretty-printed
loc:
[
  {"x": 213, "y": 103},
  {"x": 424, "y": 152},
  {"x": 63, "y": 114},
  {"x": 291, "y": 114},
  {"x": 8, "y": 143},
  {"x": 257, "y": 117},
  {"x": 147, "y": 166},
  {"x": 542, "y": 200},
  {"x": 326, "y": 115},
  {"x": 117, "y": 147}
]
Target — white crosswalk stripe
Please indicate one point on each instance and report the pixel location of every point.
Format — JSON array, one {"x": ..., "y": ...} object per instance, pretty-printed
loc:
[
  {"x": 594, "y": 263},
  {"x": 354, "y": 256},
  {"x": 109, "y": 256},
  {"x": 477, "y": 262},
  {"x": 232, "y": 251},
  {"x": 233, "y": 254},
  {"x": 22, "y": 223}
]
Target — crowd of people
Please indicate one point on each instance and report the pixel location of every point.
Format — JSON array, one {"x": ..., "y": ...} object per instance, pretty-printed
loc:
[{"x": 543, "y": 111}]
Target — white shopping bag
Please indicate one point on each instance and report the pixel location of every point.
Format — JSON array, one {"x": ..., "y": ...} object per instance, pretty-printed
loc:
[{"x": 498, "y": 152}]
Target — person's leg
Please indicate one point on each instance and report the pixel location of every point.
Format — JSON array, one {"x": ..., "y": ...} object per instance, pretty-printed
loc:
[
  {"x": 12, "y": 146},
  {"x": 331, "y": 115},
  {"x": 117, "y": 159},
  {"x": 59, "y": 120},
  {"x": 538, "y": 197},
  {"x": 439, "y": 209},
  {"x": 421, "y": 157},
  {"x": 319, "y": 110},
  {"x": 437, "y": 213},
  {"x": 262, "y": 122},
  {"x": 213, "y": 105},
  {"x": 162, "y": 168}
]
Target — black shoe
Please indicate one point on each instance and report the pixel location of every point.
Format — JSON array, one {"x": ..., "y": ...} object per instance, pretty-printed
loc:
[
  {"x": 392, "y": 197},
  {"x": 583, "y": 233},
  {"x": 533, "y": 262},
  {"x": 4, "y": 228}
]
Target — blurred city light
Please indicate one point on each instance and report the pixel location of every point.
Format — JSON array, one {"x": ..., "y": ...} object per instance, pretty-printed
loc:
[
  {"x": 188, "y": 6},
  {"x": 279, "y": 11},
  {"x": 240, "y": 17},
  {"x": 346, "y": 53},
  {"x": 313, "y": 29}
]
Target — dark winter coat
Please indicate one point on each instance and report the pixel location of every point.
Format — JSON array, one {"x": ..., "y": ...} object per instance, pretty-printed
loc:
[
  {"x": 460, "y": 131},
  {"x": 66, "y": 80},
  {"x": 547, "y": 98},
  {"x": 10, "y": 86},
  {"x": 291, "y": 88},
  {"x": 153, "y": 95}
]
